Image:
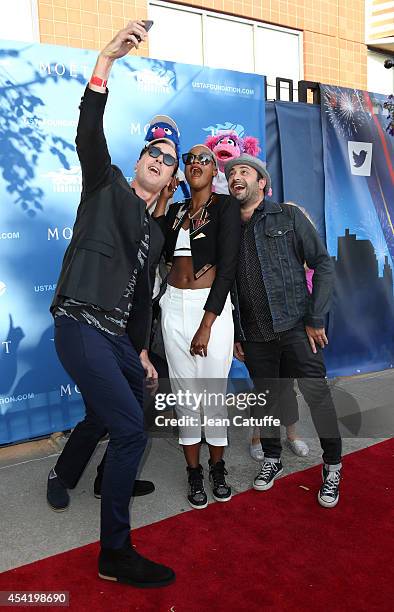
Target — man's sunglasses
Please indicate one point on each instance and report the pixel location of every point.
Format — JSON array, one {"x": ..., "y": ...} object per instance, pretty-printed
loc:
[
  {"x": 202, "y": 158},
  {"x": 168, "y": 159}
]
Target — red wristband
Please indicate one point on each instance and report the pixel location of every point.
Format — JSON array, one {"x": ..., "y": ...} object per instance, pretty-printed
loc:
[{"x": 95, "y": 80}]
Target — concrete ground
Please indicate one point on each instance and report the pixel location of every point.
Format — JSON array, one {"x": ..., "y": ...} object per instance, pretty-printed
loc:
[{"x": 30, "y": 530}]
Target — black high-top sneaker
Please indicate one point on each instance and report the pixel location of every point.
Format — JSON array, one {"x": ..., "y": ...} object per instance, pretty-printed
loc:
[
  {"x": 269, "y": 470},
  {"x": 196, "y": 495},
  {"x": 217, "y": 477},
  {"x": 328, "y": 495}
]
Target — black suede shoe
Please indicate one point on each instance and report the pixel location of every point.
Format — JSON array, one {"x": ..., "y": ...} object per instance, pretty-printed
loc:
[
  {"x": 57, "y": 494},
  {"x": 127, "y": 566},
  {"x": 141, "y": 487}
]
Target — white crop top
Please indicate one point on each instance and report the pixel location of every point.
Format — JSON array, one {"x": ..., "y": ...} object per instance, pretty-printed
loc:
[{"x": 182, "y": 247}]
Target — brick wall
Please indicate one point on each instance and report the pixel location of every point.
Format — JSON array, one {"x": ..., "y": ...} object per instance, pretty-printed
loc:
[{"x": 334, "y": 31}]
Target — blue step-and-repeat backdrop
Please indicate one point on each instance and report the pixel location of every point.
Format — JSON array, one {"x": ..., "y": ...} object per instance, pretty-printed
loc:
[
  {"x": 40, "y": 183},
  {"x": 358, "y": 153}
]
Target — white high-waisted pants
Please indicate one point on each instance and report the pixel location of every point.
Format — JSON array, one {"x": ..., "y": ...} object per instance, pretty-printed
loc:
[{"x": 182, "y": 311}]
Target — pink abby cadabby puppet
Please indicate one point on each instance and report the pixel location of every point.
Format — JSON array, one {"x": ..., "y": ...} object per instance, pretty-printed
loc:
[{"x": 227, "y": 145}]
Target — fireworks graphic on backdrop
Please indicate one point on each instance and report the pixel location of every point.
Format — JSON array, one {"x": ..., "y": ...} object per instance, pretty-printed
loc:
[{"x": 346, "y": 110}]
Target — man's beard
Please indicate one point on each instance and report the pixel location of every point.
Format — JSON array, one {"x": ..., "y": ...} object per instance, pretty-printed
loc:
[{"x": 249, "y": 195}]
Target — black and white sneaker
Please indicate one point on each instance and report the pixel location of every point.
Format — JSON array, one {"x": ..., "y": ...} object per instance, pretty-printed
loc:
[
  {"x": 328, "y": 495},
  {"x": 268, "y": 472},
  {"x": 196, "y": 495},
  {"x": 217, "y": 477}
]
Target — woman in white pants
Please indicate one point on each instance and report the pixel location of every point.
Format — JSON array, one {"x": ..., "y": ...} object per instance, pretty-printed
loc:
[{"x": 202, "y": 243}]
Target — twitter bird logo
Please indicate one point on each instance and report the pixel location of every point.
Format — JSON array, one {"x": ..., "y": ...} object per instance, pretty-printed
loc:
[{"x": 360, "y": 157}]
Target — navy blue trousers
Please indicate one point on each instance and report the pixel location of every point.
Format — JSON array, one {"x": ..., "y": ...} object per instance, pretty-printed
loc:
[{"x": 109, "y": 375}]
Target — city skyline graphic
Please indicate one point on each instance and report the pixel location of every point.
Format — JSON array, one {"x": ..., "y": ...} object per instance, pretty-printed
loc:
[{"x": 361, "y": 319}]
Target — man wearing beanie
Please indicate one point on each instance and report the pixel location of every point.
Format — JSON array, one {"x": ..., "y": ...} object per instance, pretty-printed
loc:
[{"x": 276, "y": 319}]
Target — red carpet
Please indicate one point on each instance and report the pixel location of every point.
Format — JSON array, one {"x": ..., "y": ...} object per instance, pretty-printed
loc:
[{"x": 273, "y": 551}]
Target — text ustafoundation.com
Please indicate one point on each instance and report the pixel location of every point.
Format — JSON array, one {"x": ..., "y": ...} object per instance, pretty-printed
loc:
[{"x": 236, "y": 421}]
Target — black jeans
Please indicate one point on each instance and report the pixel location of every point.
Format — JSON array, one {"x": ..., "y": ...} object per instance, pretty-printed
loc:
[
  {"x": 110, "y": 378},
  {"x": 263, "y": 360}
]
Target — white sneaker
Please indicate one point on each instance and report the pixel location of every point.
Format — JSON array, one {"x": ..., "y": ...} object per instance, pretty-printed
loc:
[
  {"x": 256, "y": 452},
  {"x": 298, "y": 447}
]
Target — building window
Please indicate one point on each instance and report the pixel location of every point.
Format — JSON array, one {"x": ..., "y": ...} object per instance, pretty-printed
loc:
[
  {"x": 278, "y": 53},
  {"x": 228, "y": 44},
  {"x": 380, "y": 79},
  {"x": 20, "y": 21},
  {"x": 176, "y": 35},
  {"x": 195, "y": 36}
]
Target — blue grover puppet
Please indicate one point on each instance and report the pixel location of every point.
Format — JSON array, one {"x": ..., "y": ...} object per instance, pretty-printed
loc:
[{"x": 162, "y": 126}]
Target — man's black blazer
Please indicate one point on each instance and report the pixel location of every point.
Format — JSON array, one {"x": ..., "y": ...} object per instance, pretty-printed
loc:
[
  {"x": 107, "y": 231},
  {"x": 103, "y": 252}
]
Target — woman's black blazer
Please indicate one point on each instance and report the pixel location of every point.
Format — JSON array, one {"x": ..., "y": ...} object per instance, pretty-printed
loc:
[{"x": 214, "y": 243}]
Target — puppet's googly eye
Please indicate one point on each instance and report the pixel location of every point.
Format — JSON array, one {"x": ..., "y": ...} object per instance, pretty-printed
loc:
[
  {"x": 231, "y": 142},
  {"x": 168, "y": 131},
  {"x": 155, "y": 127}
]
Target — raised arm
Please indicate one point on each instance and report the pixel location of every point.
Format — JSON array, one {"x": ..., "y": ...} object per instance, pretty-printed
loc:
[
  {"x": 91, "y": 144},
  {"x": 159, "y": 214}
]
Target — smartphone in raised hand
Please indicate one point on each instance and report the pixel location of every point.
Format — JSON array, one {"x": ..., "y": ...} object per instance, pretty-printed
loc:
[{"x": 148, "y": 23}]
